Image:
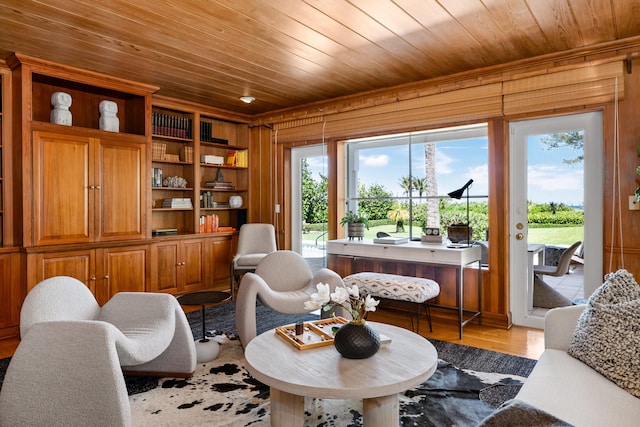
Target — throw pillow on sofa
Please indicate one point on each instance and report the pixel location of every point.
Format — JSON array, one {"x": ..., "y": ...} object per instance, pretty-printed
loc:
[{"x": 607, "y": 336}]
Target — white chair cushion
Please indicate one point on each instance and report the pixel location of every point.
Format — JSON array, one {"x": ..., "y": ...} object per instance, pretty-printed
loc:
[
  {"x": 145, "y": 321},
  {"x": 392, "y": 286},
  {"x": 249, "y": 260}
]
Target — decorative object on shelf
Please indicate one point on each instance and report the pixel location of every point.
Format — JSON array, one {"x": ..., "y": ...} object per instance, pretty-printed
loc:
[
  {"x": 356, "y": 224},
  {"x": 109, "y": 116},
  {"x": 156, "y": 180},
  {"x": 356, "y": 339},
  {"x": 174, "y": 182},
  {"x": 235, "y": 201},
  {"x": 209, "y": 159},
  {"x": 459, "y": 232},
  {"x": 457, "y": 194},
  {"x": 219, "y": 176},
  {"x": 60, "y": 115}
]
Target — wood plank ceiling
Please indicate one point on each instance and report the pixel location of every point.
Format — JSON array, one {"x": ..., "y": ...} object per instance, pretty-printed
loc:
[{"x": 288, "y": 53}]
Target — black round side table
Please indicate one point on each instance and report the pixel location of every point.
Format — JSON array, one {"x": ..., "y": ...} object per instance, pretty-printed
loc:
[{"x": 206, "y": 349}]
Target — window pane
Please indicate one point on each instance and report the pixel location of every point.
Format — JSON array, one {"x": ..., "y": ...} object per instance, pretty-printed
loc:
[{"x": 403, "y": 180}]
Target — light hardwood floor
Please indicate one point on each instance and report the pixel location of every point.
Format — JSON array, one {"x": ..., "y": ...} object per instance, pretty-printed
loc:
[{"x": 517, "y": 341}]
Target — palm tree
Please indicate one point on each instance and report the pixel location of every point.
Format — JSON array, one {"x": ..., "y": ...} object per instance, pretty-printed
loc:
[
  {"x": 420, "y": 185},
  {"x": 407, "y": 184},
  {"x": 431, "y": 184},
  {"x": 398, "y": 215}
]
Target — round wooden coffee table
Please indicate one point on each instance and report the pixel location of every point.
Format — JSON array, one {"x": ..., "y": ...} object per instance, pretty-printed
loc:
[{"x": 292, "y": 374}]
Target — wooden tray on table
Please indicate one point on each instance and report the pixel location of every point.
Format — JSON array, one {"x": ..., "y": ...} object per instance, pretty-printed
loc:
[{"x": 317, "y": 333}]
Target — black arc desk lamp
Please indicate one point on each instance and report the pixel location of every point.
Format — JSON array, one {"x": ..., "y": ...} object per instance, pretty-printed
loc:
[{"x": 457, "y": 194}]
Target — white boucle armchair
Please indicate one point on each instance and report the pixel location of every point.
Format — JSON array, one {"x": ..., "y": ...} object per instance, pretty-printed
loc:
[
  {"x": 68, "y": 366},
  {"x": 283, "y": 282}
]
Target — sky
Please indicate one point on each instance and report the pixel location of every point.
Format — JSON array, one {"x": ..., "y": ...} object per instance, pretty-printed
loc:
[{"x": 549, "y": 178}]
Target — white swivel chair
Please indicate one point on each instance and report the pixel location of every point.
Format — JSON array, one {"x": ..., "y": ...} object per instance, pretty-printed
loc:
[
  {"x": 255, "y": 241},
  {"x": 283, "y": 281},
  {"x": 67, "y": 369}
]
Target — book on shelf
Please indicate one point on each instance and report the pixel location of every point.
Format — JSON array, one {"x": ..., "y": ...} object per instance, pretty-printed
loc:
[
  {"x": 177, "y": 202},
  {"x": 209, "y": 223},
  {"x": 207, "y": 201},
  {"x": 206, "y": 134},
  {"x": 164, "y": 231},
  {"x": 220, "y": 185},
  {"x": 232, "y": 158},
  {"x": 170, "y": 125},
  {"x": 391, "y": 240},
  {"x": 242, "y": 160}
]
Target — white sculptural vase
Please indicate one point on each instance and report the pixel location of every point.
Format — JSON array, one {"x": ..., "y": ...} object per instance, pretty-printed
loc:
[
  {"x": 235, "y": 201},
  {"x": 60, "y": 115},
  {"x": 108, "y": 116}
]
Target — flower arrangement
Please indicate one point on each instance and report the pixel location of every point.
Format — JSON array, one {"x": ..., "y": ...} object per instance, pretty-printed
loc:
[{"x": 348, "y": 298}]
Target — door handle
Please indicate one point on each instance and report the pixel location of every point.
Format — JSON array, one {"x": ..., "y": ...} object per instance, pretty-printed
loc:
[{"x": 519, "y": 236}]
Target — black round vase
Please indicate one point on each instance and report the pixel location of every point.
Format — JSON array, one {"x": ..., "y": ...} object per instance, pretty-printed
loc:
[{"x": 355, "y": 341}]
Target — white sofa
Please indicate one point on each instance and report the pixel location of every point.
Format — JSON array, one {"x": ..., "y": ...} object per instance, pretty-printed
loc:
[{"x": 570, "y": 390}]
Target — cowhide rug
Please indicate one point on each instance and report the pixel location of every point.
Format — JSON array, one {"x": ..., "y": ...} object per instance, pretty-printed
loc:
[{"x": 222, "y": 393}]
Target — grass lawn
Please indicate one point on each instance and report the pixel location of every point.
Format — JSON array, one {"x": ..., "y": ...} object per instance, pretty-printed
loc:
[{"x": 556, "y": 236}]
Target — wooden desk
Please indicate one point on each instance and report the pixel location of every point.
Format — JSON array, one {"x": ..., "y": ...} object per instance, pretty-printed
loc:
[
  {"x": 292, "y": 374},
  {"x": 417, "y": 252}
]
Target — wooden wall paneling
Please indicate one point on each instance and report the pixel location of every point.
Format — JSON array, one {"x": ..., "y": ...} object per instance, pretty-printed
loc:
[
  {"x": 622, "y": 226},
  {"x": 336, "y": 189},
  {"x": 284, "y": 196},
  {"x": 260, "y": 175},
  {"x": 10, "y": 226},
  {"x": 496, "y": 286}
]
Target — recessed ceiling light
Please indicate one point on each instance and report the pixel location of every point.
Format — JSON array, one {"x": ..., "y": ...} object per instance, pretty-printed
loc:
[{"x": 247, "y": 99}]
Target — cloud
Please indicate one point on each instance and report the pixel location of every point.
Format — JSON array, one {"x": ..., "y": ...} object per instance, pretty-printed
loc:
[
  {"x": 551, "y": 177},
  {"x": 375, "y": 161}
]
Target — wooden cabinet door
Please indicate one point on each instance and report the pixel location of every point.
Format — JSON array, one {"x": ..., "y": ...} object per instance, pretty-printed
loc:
[
  {"x": 178, "y": 266},
  {"x": 192, "y": 258},
  {"x": 121, "y": 270},
  {"x": 10, "y": 295},
  {"x": 78, "y": 264},
  {"x": 220, "y": 259},
  {"x": 164, "y": 259},
  {"x": 121, "y": 201},
  {"x": 63, "y": 199}
]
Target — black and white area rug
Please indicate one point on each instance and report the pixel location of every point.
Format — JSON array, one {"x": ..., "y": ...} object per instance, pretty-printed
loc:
[
  {"x": 222, "y": 393},
  {"x": 468, "y": 385}
]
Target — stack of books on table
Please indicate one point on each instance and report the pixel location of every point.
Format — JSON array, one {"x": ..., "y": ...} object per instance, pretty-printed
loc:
[
  {"x": 177, "y": 202},
  {"x": 391, "y": 240},
  {"x": 219, "y": 185}
]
